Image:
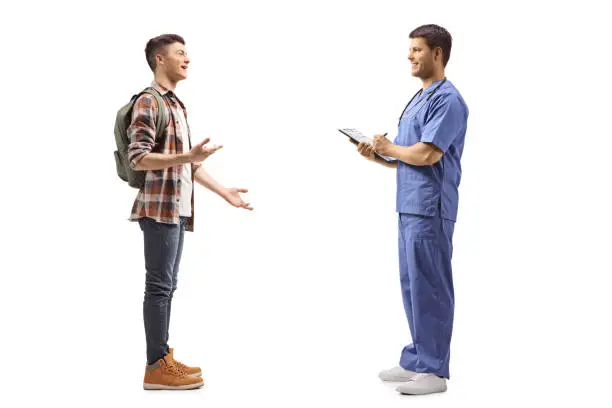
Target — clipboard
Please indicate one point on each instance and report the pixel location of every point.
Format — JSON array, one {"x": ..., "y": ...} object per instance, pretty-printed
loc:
[{"x": 359, "y": 137}]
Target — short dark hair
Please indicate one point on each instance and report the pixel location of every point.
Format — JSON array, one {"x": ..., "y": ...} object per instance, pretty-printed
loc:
[
  {"x": 435, "y": 36},
  {"x": 157, "y": 44}
]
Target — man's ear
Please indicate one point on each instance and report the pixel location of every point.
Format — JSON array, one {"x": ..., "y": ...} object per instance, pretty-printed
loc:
[{"x": 438, "y": 53}]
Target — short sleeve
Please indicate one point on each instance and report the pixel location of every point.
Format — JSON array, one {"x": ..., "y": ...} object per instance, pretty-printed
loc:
[{"x": 444, "y": 122}]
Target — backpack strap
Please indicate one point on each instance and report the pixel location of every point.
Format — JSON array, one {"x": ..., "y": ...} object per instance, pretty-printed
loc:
[{"x": 162, "y": 114}]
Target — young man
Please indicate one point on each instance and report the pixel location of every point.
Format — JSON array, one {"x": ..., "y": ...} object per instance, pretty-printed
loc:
[
  {"x": 428, "y": 150},
  {"x": 164, "y": 206}
]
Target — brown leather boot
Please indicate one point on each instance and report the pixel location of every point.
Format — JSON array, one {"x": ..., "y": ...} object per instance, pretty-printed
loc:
[
  {"x": 195, "y": 371},
  {"x": 165, "y": 375}
]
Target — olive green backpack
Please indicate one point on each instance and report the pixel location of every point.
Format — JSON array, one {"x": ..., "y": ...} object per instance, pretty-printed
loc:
[{"x": 135, "y": 178}]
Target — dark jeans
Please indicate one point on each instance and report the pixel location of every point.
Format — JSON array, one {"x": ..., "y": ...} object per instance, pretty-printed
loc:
[{"x": 163, "y": 244}]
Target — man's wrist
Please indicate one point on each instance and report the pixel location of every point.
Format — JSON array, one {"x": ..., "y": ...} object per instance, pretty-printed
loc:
[
  {"x": 185, "y": 158},
  {"x": 224, "y": 193},
  {"x": 390, "y": 151}
]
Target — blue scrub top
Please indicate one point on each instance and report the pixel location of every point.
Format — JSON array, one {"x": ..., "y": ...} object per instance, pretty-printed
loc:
[{"x": 442, "y": 121}]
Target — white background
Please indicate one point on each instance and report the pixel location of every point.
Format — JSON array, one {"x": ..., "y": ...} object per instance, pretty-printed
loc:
[{"x": 298, "y": 303}]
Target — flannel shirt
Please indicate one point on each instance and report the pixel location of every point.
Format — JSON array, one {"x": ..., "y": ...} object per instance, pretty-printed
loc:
[{"x": 159, "y": 197}]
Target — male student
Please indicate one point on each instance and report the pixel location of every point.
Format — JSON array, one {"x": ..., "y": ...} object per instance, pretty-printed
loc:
[
  {"x": 428, "y": 150},
  {"x": 164, "y": 206}
]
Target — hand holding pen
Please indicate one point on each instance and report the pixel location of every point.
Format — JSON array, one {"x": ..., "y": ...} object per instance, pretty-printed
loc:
[
  {"x": 381, "y": 144},
  {"x": 366, "y": 149}
]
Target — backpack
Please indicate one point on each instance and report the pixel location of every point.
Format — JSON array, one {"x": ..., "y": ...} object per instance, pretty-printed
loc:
[{"x": 135, "y": 178}]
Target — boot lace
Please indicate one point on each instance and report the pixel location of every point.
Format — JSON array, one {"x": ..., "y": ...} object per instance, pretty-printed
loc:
[{"x": 175, "y": 369}]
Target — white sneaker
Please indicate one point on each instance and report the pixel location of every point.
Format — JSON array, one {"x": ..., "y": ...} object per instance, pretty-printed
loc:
[
  {"x": 396, "y": 374},
  {"x": 423, "y": 383}
]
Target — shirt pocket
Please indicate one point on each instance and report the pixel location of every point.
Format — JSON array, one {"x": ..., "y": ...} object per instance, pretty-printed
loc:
[{"x": 409, "y": 131}]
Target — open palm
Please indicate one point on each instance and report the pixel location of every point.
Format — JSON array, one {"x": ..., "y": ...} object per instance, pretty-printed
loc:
[{"x": 233, "y": 197}]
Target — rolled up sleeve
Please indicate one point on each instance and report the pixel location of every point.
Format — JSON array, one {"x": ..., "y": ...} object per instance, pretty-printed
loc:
[{"x": 141, "y": 131}]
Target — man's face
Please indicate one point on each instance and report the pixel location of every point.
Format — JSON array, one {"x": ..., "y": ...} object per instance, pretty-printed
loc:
[
  {"x": 174, "y": 61},
  {"x": 421, "y": 58}
]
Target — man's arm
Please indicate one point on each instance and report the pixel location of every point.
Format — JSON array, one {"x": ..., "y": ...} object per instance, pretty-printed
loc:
[
  {"x": 419, "y": 154},
  {"x": 159, "y": 161},
  {"x": 443, "y": 123},
  {"x": 367, "y": 151},
  {"x": 141, "y": 133},
  {"x": 385, "y": 163},
  {"x": 231, "y": 195},
  {"x": 204, "y": 179}
]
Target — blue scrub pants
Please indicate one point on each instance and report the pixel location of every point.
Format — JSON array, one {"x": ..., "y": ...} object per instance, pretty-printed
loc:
[{"x": 425, "y": 251}]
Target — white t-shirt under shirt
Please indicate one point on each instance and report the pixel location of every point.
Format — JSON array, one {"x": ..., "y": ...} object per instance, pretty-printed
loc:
[{"x": 186, "y": 183}]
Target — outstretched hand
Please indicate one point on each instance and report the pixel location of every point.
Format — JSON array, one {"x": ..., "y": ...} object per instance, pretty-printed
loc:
[
  {"x": 200, "y": 152},
  {"x": 233, "y": 197}
]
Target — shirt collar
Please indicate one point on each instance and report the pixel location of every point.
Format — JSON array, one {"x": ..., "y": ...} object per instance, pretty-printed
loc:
[
  {"x": 433, "y": 86},
  {"x": 162, "y": 90}
]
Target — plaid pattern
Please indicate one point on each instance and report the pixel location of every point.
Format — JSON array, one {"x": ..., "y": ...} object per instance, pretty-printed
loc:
[{"x": 158, "y": 198}]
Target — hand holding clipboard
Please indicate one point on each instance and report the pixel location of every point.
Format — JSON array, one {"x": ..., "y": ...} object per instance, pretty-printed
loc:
[{"x": 356, "y": 137}]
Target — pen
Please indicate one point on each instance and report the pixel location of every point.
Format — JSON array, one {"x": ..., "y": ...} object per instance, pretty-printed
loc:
[{"x": 384, "y": 135}]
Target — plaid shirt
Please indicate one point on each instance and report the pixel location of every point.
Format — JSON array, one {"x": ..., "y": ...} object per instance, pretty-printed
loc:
[{"x": 159, "y": 197}]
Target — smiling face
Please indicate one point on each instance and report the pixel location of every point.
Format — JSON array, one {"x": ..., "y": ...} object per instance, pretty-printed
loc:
[
  {"x": 173, "y": 62},
  {"x": 424, "y": 60}
]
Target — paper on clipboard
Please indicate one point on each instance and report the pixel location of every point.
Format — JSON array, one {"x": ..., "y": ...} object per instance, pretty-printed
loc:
[{"x": 360, "y": 137}]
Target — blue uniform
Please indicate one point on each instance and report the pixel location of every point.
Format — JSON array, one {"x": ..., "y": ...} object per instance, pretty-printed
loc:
[{"x": 427, "y": 201}]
